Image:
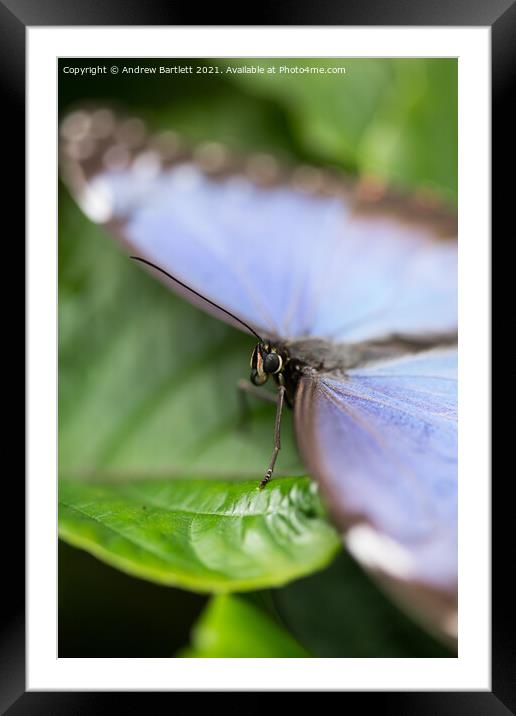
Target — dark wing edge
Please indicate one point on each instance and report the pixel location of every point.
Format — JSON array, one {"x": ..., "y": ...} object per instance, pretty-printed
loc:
[{"x": 87, "y": 131}]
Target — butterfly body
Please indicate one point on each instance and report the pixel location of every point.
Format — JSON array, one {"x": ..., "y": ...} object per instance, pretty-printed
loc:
[{"x": 309, "y": 356}]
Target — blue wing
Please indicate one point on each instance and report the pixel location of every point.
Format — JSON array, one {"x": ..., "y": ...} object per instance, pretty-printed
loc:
[
  {"x": 382, "y": 442},
  {"x": 289, "y": 258}
]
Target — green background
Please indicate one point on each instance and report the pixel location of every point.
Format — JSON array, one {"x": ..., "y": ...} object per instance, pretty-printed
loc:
[{"x": 146, "y": 382}]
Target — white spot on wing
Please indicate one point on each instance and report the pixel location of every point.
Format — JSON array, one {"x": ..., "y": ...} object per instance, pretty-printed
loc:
[
  {"x": 379, "y": 552},
  {"x": 97, "y": 200}
]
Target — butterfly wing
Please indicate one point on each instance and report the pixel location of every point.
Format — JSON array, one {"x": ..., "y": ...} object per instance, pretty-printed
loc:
[
  {"x": 382, "y": 442},
  {"x": 297, "y": 254},
  {"x": 293, "y": 254}
]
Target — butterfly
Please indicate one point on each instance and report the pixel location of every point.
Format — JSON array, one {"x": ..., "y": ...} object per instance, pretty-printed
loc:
[{"x": 351, "y": 294}]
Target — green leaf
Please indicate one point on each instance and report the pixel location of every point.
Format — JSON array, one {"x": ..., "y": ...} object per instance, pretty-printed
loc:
[
  {"x": 208, "y": 536},
  {"x": 233, "y": 627}
]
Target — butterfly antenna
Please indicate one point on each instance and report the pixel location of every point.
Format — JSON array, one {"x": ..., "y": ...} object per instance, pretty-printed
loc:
[{"x": 239, "y": 320}]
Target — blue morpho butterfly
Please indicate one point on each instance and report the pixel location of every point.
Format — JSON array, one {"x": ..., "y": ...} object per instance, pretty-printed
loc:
[{"x": 351, "y": 295}]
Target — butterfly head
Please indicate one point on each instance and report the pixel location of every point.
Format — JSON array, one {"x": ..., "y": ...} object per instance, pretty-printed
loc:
[{"x": 265, "y": 361}]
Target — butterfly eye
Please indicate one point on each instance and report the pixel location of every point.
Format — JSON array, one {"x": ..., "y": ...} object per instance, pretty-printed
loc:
[{"x": 272, "y": 363}]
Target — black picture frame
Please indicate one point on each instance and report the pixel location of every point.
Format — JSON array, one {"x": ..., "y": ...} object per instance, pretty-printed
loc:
[{"x": 15, "y": 17}]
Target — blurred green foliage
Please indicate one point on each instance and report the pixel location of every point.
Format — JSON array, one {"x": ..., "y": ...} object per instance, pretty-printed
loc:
[
  {"x": 395, "y": 119},
  {"x": 146, "y": 381},
  {"x": 339, "y": 612}
]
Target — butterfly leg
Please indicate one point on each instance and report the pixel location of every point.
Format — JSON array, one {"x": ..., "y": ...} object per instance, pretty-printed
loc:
[
  {"x": 245, "y": 388},
  {"x": 277, "y": 436}
]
